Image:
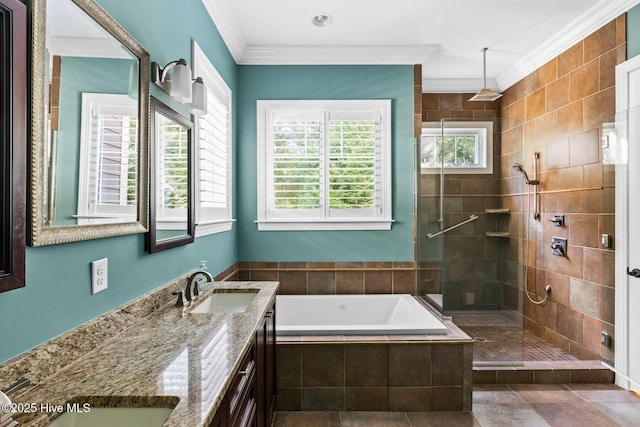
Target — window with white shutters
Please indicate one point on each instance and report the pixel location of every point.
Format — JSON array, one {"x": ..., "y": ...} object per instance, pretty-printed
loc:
[
  {"x": 109, "y": 161},
  {"x": 213, "y": 151},
  {"x": 324, "y": 165}
]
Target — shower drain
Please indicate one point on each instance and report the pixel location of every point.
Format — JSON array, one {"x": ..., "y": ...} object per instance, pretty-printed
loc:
[{"x": 480, "y": 339}]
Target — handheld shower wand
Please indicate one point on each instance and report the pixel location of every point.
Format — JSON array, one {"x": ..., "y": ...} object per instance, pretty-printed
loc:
[{"x": 520, "y": 168}]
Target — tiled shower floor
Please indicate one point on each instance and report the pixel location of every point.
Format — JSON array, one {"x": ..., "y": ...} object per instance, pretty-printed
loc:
[{"x": 499, "y": 339}]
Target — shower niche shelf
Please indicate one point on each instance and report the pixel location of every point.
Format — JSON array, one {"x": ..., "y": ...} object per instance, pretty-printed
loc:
[
  {"x": 497, "y": 234},
  {"x": 498, "y": 211}
]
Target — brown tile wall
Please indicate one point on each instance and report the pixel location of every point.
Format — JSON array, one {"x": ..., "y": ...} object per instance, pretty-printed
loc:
[
  {"x": 374, "y": 377},
  {"x": 471, "y": 258},
  {"x": 316, "y": 278},
  {"x": 559, "y": 110}
]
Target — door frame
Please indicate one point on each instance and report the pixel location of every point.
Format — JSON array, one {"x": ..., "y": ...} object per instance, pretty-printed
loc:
[{"x": 622, "y": 306}]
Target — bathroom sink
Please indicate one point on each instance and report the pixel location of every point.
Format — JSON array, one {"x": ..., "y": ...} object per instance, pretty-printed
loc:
[
  {"x": 108, "y": 417},
  {"x": 236, "y": 301}
]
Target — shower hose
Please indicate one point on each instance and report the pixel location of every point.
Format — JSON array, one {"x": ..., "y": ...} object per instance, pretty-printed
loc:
[{"x": 526, "y": 257}]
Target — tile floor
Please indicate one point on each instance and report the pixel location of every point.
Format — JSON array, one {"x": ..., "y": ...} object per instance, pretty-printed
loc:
[
  {"x": 521, "y": 405},
  {"x": 500, "y": 339}
]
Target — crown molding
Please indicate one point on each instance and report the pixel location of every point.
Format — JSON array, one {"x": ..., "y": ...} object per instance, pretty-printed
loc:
[
  {"x": 593, "y": 19},
  {"x": 336, "y": 54},
  {"x": 89, "y": 47},
  {"x": 471, "y": 85},
  {"x": 225, "y": 21}
]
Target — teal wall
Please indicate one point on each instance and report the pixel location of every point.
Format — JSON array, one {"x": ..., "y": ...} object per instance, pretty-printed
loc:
[
  {"x": 79, "y": 75},
  {"x": 633, "y": 32},
  {"x": 57, "y": 296},
  {"x": 327, "y": 82}
]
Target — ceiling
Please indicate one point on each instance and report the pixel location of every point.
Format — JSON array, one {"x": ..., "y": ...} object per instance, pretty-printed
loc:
[{"x": 445, "y": 36}]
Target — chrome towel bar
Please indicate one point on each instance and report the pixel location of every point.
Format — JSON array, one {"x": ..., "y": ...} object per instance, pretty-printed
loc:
[{"x": 471, "y": 218}]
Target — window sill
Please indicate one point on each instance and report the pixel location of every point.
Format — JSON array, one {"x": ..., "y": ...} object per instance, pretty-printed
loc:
[
  {"x": 296, "y": 225},
  {"x": 213, "y": 227}
]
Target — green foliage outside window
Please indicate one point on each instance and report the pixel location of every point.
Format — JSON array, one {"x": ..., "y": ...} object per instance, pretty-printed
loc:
[
  {"x": 351, "y": 164},
  {"x": 297, "y": 158},
  {"x": 453, "y": 151},
  {"x": 175, "y": 179}
]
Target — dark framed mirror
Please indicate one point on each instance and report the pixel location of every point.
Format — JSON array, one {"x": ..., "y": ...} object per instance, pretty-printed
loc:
[
  {"x": 13, "y": 143},
  {"x": 172, "y": 214}
]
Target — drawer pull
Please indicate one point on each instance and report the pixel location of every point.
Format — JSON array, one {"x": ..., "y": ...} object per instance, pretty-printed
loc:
[{"x": 248, "y": 370}]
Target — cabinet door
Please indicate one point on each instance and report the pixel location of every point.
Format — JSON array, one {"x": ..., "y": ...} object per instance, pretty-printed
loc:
[{"x": 220, "y": 419}]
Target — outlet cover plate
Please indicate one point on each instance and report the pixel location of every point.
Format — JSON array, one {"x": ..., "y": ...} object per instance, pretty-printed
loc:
[{"x": 99, "y": 275}]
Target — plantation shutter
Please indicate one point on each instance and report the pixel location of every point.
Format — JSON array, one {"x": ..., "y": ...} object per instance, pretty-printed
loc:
[
  {"x": 354, "y": 163},
  {"x": 173, "y": 169},
  {"x": 296, "y": 159},
  {"x": 112, "y": 164},
  {"x": 324, "y": 165},
  {"x": 214, "y": 158}
]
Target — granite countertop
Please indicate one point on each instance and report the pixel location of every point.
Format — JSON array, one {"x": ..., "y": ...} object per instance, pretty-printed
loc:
[{"x": 169, "y": 357}]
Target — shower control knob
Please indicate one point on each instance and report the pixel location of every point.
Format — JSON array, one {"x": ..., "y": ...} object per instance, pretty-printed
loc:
[
  {"x": 635, "y": 272},
  {"x": 557, "y": 220},
  {"x": 557, "y": 247}
]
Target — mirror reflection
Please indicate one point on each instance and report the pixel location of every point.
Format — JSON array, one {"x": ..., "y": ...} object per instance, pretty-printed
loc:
[
  {"x": 91, "y": 136},
  {"x": 172, "y": 214},
  {"x": 89, "y": 133}
]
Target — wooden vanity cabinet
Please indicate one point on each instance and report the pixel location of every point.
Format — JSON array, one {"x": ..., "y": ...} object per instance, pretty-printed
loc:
[
  {"x": 238, "y": 408},
  {"x": 250, "y": 399},
  {"x": 220, "y": 419},
  {"x": 266, "y": 357}
]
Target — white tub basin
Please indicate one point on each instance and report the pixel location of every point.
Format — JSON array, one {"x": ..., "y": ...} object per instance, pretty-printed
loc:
[
  {"x": 226, "y": 302},
  {"x": 109, "y": 417}
]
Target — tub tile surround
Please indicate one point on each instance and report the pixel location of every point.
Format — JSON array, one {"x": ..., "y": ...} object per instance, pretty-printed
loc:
[
  {"x": 132, "y": 368},
  {"x": 327, "y": 278},
  {"x": 375, "y": 373}
]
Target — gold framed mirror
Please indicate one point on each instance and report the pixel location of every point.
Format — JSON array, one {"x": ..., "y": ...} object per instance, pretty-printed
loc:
[
  {"x": 89, "y": 136},
  {"x": 172, "y": 213}
]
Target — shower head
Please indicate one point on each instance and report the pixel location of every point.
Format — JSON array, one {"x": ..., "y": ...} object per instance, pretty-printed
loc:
[{"x": 520, "y": 168}]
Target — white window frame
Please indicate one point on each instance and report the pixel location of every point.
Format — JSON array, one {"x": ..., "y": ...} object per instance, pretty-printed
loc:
[
  {"x": 483, "y": 130},
  {"x": 379, "y": 217},
  {"x": 213, "y": 220},
  {"x": 89, "y": 212}
]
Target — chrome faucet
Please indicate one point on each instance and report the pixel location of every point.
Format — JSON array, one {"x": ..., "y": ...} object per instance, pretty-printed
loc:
[{"x": 193, "y": 283}]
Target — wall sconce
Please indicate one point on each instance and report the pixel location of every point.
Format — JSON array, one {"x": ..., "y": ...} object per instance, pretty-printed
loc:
[{"x": 181, "y": 86}]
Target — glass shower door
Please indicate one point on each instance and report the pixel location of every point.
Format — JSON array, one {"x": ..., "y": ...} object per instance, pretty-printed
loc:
[
  {"x": 430, "y": 240},
  {"x": 467, "y": 236}
]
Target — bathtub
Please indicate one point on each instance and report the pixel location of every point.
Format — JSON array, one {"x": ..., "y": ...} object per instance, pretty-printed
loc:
[{"x": 397, "y": 314}]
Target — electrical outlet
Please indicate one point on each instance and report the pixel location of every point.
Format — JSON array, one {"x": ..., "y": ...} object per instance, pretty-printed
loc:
[{"x": 99, "y": 275}]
